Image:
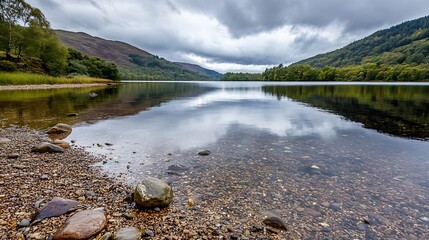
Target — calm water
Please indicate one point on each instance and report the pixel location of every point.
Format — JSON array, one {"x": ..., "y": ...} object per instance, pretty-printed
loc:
[{"x": 348, "y": 152}]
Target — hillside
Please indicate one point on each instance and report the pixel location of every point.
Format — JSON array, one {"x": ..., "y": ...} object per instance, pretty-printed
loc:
[
  {"x": 133, "y": 63},
  {"x": 406, "y": 43},
  {"x": 204, "y": 71}
]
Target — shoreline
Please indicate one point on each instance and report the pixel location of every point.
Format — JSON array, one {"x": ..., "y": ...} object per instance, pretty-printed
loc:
[
  {"x": 33, "y": 177},
  {"x": 49, "y": 86}
]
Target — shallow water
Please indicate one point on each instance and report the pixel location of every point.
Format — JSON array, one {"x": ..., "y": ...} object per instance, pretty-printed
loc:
[{"x": 341, "y": 154}]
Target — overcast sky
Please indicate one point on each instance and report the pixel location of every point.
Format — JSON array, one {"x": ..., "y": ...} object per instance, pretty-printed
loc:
[{"x": 231, "y": 35}]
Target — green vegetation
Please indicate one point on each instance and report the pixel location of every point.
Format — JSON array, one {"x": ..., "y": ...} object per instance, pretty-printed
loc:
[
  {"x": 407, "y": 43},
  {"x": 365, "y": 72},
  {"x": 31, "y": 78},
  {"x": 397, "y": 110},
  {"x": 241, "y": 77},
  {"x": 29, "y": 45},
  {"x": 133, "y": 63},
  {"x": 400, "y": 53},
  {"x": 151, "y": 67}
]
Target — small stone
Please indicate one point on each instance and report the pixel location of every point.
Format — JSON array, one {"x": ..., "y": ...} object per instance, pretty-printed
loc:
[
  {"x": 4, "y": 140},
  {"x": 312, "y": 212},
  {"x": 59, "y": 131},
  {"x": 157, "y": 209},
  {"x": 93, "y": 94},
  {"x": 335, "y": 206},
  {"x": 44, "y": 177},
  {"x": 148, "y": 233},
  {"x": 62, "y": 144},
  {"x": 72, "y": 115},
  {"x": 426, "y": 219},
  {"x": 13, "y": 156},
  {"x": 128, "y": 233},
  {"x": 56, "y": 207},
  {"x": 106, "y": 236},
  {"x": 47, "y": 148},
  {"x": 24, "y": 223},
  {"x": 300, "y": 209},
  {"x": 323, "y": 224},
  {"x": 109, "y": 144},
  {"x": 129, "y": 216},
  {"x": 204, "y": 153},
  {"x": 361, "y": 227},
  {"x": 275, "y": 222},
  {"x": 315, "y": 167}
]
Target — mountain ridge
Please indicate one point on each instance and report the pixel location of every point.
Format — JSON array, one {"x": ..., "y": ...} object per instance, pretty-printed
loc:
[
  {"x": 133, "y": 62},
  {"x": 407, "y": 43}
]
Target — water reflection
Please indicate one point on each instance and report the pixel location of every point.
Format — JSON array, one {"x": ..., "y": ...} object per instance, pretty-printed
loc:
[{"x": 398, "y": 110}]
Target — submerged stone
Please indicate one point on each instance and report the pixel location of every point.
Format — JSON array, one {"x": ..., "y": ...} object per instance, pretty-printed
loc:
[
  {"x": 204, "y": 153},
  {"x": 275, "y": 222}
]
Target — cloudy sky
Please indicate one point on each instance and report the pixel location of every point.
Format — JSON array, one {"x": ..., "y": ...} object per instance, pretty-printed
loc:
[{"x": 231, "y": 35}]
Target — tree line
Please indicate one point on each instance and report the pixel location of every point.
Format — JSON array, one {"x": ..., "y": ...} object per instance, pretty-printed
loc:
[
  {"x": 30, "y": 45},
  {"x": 364, "y": 72}
]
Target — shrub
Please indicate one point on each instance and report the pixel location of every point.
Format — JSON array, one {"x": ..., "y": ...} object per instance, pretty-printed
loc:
[{"x": 6, "y": 66}]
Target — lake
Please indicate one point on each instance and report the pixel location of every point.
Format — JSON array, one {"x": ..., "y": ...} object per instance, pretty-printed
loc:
[{"x": 335, "y": 160}]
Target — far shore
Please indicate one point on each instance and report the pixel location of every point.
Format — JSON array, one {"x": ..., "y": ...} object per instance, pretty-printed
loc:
[{"x": 49, "y": 86}]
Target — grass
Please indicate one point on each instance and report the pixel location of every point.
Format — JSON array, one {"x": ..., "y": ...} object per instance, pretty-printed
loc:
[{"x": 18, "y": 78}]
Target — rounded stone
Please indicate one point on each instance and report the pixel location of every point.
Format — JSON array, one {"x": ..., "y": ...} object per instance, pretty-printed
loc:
[
  {"x": 128, "y": 233},
  {"x": 82, "y": 225},
  {"x": 152, "y": 192}
]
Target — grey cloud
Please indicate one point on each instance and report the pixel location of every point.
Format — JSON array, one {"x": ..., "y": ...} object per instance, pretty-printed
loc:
[{"x": 146, "y": 24}]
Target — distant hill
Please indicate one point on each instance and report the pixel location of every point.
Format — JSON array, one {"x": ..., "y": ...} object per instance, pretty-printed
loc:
[
  {"x": 204, "y": 71},
  {"x": 406, "y": 43},
  {"x": 133, "y": 63}
]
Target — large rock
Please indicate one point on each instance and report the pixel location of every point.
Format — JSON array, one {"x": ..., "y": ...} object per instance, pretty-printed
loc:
[
  {"x": 82, "y": 225},
  {"x": 275, "y": 222},
  {"x": 46, "y": 147},
  {"x": 152, "y": 192},
  {"x": 129, "y": 233},
  {"x": 60, "y": 131}
]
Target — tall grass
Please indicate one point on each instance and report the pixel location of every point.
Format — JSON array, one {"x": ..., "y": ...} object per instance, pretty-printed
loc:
[{"x": 17, "y": 78}]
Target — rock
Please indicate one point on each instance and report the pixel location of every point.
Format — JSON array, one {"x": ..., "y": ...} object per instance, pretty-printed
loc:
[
  {"x": 44, "y": 177},
  {"x": 312, "y": 212},
  {"x": 93, "y": 94},
  {"x": 60, "y": 143},
  {"x": 4, "y": 140},
  {"x": 425, "y": 219},
  {"x": 335, "y": 206},
  {"x": 24, "y": 223},
  {"x": 152, "y": 192},
  {"x": 275, "y": 222},
  {"x": 72, "y": 115},
  {"x": 60, "y": 131},
  {"x": 315, "y": 167},
  {"x": 47, "y": 148},
  {"x": 13, "y": 156},
  {"x": 323, "y": 224},
  {"x": 129, "y": 233},
  {"x": 148, "y": 233},
  {"x": 82, "y": 225},
  {"x": 204, "y": 153},
  {"x": 361, "y": 227},
  {"x": 108, "y": 144},
  {"x": 106, "y": 236},
  {"x": 56, "y": 207}
]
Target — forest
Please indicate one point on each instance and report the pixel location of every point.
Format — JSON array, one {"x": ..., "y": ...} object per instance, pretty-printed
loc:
[{"x": 28, "y": 44}]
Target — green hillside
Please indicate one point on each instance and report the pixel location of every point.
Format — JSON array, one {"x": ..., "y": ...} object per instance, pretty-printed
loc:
[
  {"x": 406, "y": 43},
  {"x": 133, "y": 63},
  {"x": 204, "y": 71}
]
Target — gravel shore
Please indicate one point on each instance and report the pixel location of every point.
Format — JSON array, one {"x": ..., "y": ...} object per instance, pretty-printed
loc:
[
  {"x": 26, "y": 178},
  {"x": 48, "y": 86}
]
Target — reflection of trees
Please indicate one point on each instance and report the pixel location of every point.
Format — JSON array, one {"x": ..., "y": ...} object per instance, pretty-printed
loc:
[
  {"x": 398, "y": 110},
  {"x": 43, "y": 108}
]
